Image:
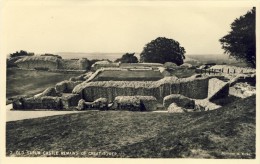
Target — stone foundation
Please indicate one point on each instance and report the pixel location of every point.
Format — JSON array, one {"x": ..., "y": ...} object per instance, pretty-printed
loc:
[{"x": 192, "y": 88}]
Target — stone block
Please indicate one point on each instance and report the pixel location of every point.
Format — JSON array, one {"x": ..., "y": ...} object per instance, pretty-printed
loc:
[
  {"x": 17, "y": 104},
  {"x": 81, "y": 105},
  {"x": 49, "y": 102},
  {"x": 179, "y": 100},
  {"x": 174, "y": 108},
  {"x": 69, "y": 100},
  {"x": 32, "y": 103}
]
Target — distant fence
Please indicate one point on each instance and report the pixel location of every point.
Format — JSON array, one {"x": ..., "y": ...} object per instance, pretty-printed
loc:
[{"x": 219, "y": 71}]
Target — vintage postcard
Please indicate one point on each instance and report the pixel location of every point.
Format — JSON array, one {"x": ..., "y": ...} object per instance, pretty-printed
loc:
[{"x": 131, "y": 80}]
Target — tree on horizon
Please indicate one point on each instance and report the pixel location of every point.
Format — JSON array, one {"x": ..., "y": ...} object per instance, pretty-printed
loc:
[
  {"x": 22, "y": 53},
  {"x": 163, "y": 50},
  {"x": 127, "y": 58}
]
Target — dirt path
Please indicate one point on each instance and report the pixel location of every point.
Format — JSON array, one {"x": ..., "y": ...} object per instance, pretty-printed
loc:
[{"x": 12, "y": 115}]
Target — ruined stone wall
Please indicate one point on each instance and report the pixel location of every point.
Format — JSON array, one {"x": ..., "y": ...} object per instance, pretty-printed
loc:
[
  {"x": 70, "y": 64},
  {"x": 192, "y": 88},
  {"x": 32, "y": 64},
  {"x": 84, "y": 64},
  {"x": 52, "y": 63}
]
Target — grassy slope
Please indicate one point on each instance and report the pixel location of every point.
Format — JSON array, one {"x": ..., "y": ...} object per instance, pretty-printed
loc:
[
  {"x": 225, "y": 133},
  {"x": 24, "y": 82}
]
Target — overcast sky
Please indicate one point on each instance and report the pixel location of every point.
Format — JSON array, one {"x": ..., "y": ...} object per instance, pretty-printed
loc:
[{"x": 80, "y": 26}]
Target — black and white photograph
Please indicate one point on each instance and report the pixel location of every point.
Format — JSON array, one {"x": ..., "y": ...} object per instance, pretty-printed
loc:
[{"x": 129, "y": 79}]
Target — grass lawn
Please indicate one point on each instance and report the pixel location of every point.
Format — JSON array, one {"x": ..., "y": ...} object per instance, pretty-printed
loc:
[
  {"x": 140, "y": 75},
  {"x": 228, "y": 132},
  {"x": 26, "y": 82}
]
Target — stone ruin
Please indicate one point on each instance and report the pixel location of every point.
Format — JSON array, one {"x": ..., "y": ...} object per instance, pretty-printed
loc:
[
  {"x": 170, "y": 93},
  {"x": 52, "y": 63},
  {"x": 135, "y": 103}
]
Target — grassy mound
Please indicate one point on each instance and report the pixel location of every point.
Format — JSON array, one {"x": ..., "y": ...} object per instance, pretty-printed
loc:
[
  {"x": 228, "y": 132},
  {"x": 27, "y": 82}
]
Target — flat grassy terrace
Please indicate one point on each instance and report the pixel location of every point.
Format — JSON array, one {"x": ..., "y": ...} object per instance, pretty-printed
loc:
[
  {"x": 30, "y": 82},
  {"x": 132, "y": 75},
  {"x": 228, "y": 132}
]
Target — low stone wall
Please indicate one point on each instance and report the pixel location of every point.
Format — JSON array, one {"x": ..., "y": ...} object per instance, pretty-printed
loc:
[
  {"x": 66, "y": 101},
  {"x": 135, "y": 103},
  {"x": 192, "y": 88},
  {"x": 45, "y": 102}
]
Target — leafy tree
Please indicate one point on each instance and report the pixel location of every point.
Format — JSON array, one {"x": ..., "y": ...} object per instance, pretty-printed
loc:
[
  {"x": 128, "y": 58},
  {"x": 21, "y": 54},
  {"x": 240, "y": 42},
  {"x": 163, "y": 50}
]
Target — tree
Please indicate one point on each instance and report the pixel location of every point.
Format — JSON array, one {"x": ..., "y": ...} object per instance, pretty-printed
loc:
[
  {"x": 21, "y": 54},
  {"x": 163, "y": 50},
  {"x": 128, "y": 58},
  {"x": 240, "y": 42}
]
